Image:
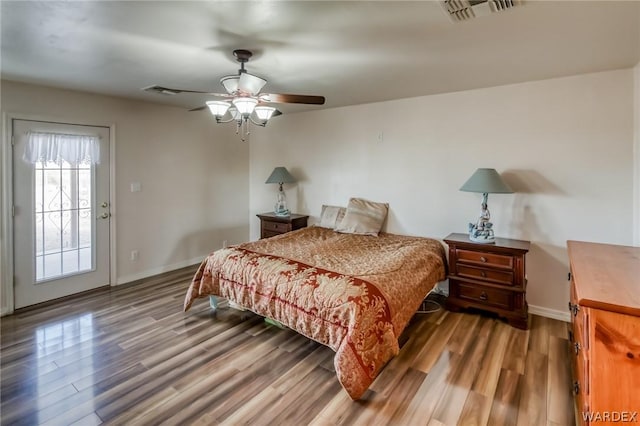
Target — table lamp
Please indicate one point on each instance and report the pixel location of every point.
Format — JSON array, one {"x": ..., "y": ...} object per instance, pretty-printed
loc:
[
  {"x": 281, "y": 175},
  {"x": 484, "y": 181}
]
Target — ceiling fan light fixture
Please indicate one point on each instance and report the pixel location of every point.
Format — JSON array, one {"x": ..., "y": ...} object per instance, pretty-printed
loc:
[
  {"x": 264, "y": 112},
  {"x": 245, "y": 105},
  {"x": 230, "y": 83},
  {"x": 250, "y": 84},
  {"x": 218, "y": 108},
  {"x": 244, "y": 93}
]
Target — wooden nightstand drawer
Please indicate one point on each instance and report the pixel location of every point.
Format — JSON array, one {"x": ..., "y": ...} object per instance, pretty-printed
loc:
[
  {"x": 269, "y": 234},
  {"x": 489, "y": 275},
  {"x": 485, "y": 296},
  {"x": 271, "y": 224},
  {"x": 483, "y": 258},
  {"x": 276, "y": 227}
]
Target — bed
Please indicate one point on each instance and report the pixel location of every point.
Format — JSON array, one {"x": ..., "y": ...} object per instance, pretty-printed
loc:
[{"x": 352, "y": 293}]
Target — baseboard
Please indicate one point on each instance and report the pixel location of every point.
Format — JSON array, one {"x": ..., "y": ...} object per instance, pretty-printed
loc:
[
  {"x": 160, "y": 270},
  {"x": 550, "y": 313}
]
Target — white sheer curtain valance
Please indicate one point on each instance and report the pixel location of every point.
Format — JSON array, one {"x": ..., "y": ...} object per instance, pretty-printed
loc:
[{"x": 56, "y": 147}]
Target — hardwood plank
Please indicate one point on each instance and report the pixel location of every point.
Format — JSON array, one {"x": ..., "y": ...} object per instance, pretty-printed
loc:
[
  {"x": 424, "y": 401},
  {"x": 436, "y": 344},
  {"x": 460, "y": 380},
  {"x": 464, "y": 333},
  {"x": 532, "y": 410},
  {"x": 476, "y": 410},
  {"x": 505, "y": 402},
  {"x": 399, "y": 398},
  {"x": 516, "y": 351},
  {"x": 559, "y": 399},
  {"x": 487, "y": 378}
]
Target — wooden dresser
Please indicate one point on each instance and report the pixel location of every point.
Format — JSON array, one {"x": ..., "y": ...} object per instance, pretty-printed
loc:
[
  {"x": 271, "y": 224},
  {"x": 605, "y": 332},
  {"x": 491, "y": 277}
]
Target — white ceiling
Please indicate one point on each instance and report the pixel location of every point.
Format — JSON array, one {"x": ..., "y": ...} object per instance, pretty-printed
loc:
[{"x": 350, "y": 52}]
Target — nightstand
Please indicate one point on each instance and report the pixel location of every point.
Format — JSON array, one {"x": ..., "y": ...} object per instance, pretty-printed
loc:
[
  {"x": 272, "y": 224},
  {"x": 490, "y": 277}
]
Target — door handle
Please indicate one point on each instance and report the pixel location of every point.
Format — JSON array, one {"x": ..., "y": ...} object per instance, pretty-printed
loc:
[{"x": 104, "y": 216}]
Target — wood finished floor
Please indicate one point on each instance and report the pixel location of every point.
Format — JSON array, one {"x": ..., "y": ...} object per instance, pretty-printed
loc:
[{"x": 131, "y": 356}]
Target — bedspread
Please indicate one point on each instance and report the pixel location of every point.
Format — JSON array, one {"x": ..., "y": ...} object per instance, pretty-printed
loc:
[{"x": 352, "y": 293}]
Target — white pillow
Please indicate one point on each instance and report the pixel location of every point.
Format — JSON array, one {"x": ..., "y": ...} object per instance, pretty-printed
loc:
[
  {"x": 363, "y": 217},
  {"x": 331, "y": 216}
]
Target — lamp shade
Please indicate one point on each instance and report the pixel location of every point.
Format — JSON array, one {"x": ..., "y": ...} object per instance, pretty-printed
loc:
[
  {"x": 230, "y": 83},
  {"x": 245, "y": 105},
  {"x": 218, "y": 108},
  {"x": 486, "y": 181},
  {"x": 264, "y": 112},
  {"x": 280, "y": 175}
]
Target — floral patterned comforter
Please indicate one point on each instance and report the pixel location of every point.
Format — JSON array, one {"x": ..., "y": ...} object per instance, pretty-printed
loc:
[{"x": 353, "y": 293}]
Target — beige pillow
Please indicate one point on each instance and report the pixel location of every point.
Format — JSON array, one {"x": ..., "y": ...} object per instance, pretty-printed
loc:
[
  {"x": 363, "y": 217},
  {"x": 331, "y": 216}
]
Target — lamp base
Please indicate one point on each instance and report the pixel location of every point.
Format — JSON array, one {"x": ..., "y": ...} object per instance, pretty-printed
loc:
[
  {"x": 482, "y": 232},
  {"x": 280, "y": 208},
  {"x": 482, "y": 239}
]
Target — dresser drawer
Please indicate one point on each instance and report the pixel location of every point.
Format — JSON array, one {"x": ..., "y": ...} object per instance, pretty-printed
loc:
[
  {"x": 490, "y": 275},
  {"x": 483, "y": 258},
  {"x": 579, "y": 320},
  {"x": 582, "y": 373},
  {"x": 278, "y": 227},
  {"x": 485, "y": 296}
]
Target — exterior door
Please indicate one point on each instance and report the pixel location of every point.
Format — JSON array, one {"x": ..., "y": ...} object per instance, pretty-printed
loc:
[{"x": 61, "y": 218}]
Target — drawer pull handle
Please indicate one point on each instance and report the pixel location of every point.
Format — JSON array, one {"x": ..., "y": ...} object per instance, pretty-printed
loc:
[
  {"x": 483, "y": 259},
  {"x": 483, "y": 296},
  {"x": 576, "y": 387},
  {"x": 484, "y": 274}
]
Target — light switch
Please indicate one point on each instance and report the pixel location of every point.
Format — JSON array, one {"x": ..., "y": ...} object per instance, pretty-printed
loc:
[{"x": 135, "y": 187}]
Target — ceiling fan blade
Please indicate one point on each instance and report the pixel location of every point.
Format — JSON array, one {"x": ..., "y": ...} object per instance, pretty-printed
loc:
[
  {"x": 200, "y": 108},
  {"x": 169, "y": 91},
  {"x": 292, "y": 99},
  {"x": 250, "y": 84}
]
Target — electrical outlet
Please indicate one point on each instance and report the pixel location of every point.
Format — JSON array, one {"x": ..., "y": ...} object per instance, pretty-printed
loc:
[{"x": 134, "y": 255}]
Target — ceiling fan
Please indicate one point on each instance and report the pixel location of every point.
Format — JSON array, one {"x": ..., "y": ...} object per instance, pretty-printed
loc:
[{"x": 243, "y": 100}]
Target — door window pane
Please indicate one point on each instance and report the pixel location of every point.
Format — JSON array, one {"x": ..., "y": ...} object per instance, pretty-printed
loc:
[{"x": 63, "y": 219}]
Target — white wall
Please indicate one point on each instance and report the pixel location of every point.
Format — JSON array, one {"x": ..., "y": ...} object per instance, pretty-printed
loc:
[
  {"x": 194, "y": 176},
  {"x": 565, "y": 145}
]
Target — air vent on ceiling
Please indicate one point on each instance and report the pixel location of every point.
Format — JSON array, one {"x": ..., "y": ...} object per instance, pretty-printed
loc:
[{"x": 462, "y": 10}]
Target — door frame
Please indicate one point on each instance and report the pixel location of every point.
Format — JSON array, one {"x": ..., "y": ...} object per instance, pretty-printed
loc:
[{"x": 6, "y": 201}]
